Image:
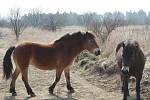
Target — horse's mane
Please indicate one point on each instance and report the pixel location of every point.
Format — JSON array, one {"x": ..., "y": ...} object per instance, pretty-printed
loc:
[
  {"x": 74, "y": 36},
  {"x": 66, "y": 37}
]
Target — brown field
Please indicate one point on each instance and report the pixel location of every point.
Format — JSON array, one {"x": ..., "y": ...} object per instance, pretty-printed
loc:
[{"x": 87, "y": 87}]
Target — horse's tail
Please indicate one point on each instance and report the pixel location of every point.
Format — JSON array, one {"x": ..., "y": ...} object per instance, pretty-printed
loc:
[{"x": 7, "y": 64}]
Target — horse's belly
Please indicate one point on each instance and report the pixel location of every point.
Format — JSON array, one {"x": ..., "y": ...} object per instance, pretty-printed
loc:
[{"x": 43, "y": 66}]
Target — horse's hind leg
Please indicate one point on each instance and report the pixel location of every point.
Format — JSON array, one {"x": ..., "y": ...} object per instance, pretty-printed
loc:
[
  {"x": 12, "y": 85},
  {"x": 67, "y": 75},
  {"x": 58, "y": 75},
  {"x": 25, "y": 80}
]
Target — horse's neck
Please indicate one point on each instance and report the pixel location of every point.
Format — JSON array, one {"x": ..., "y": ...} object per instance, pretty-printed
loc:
[
  {"x": 77, "y": 51},
  {"x": 72, "y": 48}
]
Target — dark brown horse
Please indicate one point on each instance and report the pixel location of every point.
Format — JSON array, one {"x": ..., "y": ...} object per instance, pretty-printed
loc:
[
  {"x": 58, "y": 56},
  {"x": 131, "y": 63}
]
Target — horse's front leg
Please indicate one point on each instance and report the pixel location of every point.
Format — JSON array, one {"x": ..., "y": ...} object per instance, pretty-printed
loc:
[
  {"x": 58, "y": 75},
  {"x": 122, "y": 83},
  {"x": 67, "y": 75},
  {"x": 138, "y": 89},
  {"x": 126, "y": 90}
]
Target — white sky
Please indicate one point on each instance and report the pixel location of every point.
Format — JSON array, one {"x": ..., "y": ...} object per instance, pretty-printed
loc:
[{"x": 78, "y": 6}]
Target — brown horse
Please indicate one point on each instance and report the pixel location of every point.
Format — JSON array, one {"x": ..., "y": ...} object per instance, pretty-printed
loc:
[
  {"x": 131, "y": 63},
  {"x": 58, "y": 56}
]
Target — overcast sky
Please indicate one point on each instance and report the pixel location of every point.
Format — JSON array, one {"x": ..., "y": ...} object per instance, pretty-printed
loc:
[{"x": 78, "y": 6}]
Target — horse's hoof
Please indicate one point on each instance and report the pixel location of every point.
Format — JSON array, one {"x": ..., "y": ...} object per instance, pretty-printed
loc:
[
  {"x": 50, "y": 92},
  {"x": 14, "y": 94},
  {"x": 12, "y": 90},
  {"x": 71, "y": 91},
  {"x": 124, "y": 98},
  {"x": 32, "y": 95}
]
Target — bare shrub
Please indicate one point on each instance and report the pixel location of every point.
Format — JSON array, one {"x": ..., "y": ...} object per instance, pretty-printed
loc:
[
  {"x": 1, "y": 35},
  {"x": 102, "y": 26},
  {"x": 52, "y": 23},
  {"x": 16, "y": 21},
  {"x": 36, "y": 17}
]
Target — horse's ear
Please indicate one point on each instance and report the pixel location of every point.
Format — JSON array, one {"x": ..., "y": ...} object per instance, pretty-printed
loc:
[
  {"x": 136, "y": 44},
  {"x": 79, "y": 32},
  {"x": 121, "y": 44}
]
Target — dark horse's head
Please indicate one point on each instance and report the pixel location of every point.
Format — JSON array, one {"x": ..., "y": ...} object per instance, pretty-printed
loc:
[
  {"x": 130, "y": 48},
  {"x": 90, "y": 44}
]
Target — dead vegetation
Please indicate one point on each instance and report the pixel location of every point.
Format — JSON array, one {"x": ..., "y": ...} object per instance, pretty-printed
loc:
[{"x": 103, "y": 71}]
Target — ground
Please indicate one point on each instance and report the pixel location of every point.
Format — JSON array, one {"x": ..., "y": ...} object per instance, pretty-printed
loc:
[{"x": 41, "y": 80}]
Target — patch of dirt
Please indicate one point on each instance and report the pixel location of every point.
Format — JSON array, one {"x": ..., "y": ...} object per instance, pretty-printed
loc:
[{"x": 41, "y": 80}]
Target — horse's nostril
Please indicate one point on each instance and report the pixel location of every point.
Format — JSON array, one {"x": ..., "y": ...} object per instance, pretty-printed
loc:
[
  {"x": 125, "y": 70},
  {"x": 97, "y": 51}
]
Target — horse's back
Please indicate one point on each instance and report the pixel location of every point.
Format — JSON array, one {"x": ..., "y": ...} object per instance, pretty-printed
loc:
[
  {"x": 41, "y": 56},
  {"x": 24, "y": 49}
]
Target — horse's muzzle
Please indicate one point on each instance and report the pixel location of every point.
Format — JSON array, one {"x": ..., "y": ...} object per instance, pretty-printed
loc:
[
  {"x": 97, "y": 51},
  {"x": 125, "y": 70}
]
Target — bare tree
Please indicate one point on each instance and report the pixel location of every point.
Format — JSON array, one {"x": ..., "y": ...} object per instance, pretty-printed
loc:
[
  {"x": 16, "y": 22},
  {"x": 52, "y": 23},
  {"x": 36, "y": 17},
  {"x": 112, "y": 21},
  {"x": 102, "y": 26}
]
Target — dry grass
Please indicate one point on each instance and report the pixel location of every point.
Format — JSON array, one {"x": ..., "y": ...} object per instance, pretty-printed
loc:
[
  {"x": 34, "y": 35},
  {"x": 139, "y": 33}
]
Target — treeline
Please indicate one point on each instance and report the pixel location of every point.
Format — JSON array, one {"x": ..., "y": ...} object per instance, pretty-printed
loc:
[
  {"x": 102, "y": 25},
  {"x": 38, "y": 19}
]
